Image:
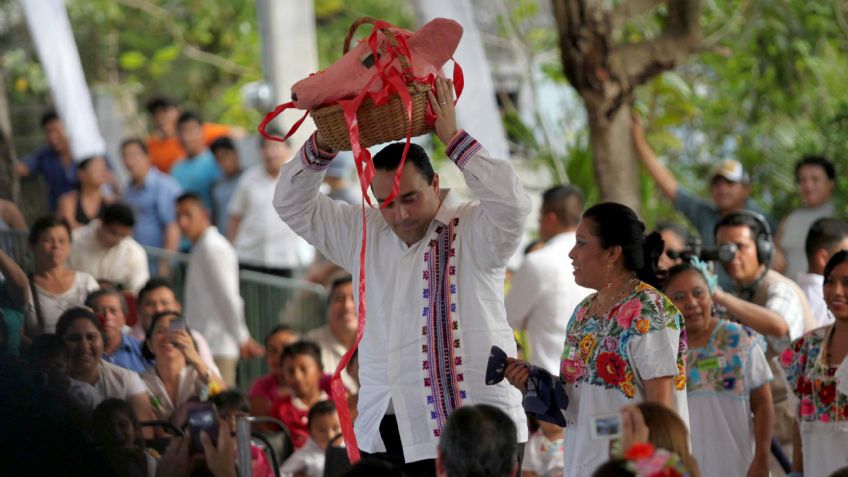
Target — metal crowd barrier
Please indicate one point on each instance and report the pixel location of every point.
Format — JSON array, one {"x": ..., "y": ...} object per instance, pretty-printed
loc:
[{"x": 268, "y": 300}]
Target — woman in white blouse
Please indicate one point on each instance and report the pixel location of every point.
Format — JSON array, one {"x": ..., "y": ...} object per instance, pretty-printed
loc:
[
  {"x": 83, "y": 334},
  {"x": 624, "y": 343},
  {"x": 179, "y": 373},
  {"x": 57, "y": 287}
]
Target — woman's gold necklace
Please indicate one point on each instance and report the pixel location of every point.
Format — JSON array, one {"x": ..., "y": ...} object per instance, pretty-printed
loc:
[{"x": 597, "y": 306}]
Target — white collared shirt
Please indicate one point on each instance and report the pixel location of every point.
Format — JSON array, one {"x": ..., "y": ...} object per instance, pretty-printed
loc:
[
  {"x": 125, "y": 263},
  {"x": 811, "y": 284},
  {"x": 542, "y": 297},
  {"x": 263, "y": 239},
  {"x": 213, "y": 305},
  {"x": 425, "y": 366}
]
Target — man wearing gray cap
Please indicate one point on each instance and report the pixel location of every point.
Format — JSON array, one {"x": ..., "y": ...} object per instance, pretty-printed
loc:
[{"x": 730, "y": 191}]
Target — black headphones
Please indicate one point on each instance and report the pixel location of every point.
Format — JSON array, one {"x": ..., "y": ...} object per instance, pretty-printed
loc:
[{"x": 764, "y": 240}]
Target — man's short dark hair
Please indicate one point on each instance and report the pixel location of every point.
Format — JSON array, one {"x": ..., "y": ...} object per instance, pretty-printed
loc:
[
  {"x": 188, "y": 116},
  {"x": 153, "y": 284},
  {"x": 825, "y": 233},
  {"x": 819, "y": 161},
  {"x": 222, "y": 142},
  {"x": 190, "y": 197},
  {"x": 307, "y": 348},
  {"x": 91, "y": 299},
  {"x": 118, "y": 213},
  {"x": 231, "y": 399},
  {"x": 478, "y": 440},
  {"x": 339, "y": 281},
  {"x": 134, "y": 141},
  {"x": 566, "y": 202},
  {"x": 48, "y": 117},
  {"x": 388, "y": 159},
  {"x": 321, "y": 408},
  {"x": 156, "y": 103}
]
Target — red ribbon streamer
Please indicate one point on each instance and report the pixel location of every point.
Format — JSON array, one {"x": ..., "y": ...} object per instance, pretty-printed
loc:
[{"x": 394, "y": 81}]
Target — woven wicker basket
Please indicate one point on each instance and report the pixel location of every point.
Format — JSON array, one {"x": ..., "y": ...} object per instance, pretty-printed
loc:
[{"x": 377, "y": 124}]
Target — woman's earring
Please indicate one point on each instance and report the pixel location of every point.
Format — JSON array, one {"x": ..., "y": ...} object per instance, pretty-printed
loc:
[
  {"x": 714, "y": 310},
  {"x": 609, "y": 282}
]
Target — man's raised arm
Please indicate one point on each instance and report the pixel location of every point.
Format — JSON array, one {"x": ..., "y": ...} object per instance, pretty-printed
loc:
[
  {"x": 330, "y": 226},
  {"x": 504, "y": 205}
]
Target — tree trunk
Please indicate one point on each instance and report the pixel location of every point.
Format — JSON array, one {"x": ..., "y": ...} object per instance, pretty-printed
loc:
[
  {"x": 9, "y": 187},
  {"x": 616, "y": 171}
]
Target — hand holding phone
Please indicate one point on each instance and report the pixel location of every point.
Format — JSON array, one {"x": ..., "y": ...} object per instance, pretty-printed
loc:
[
  {"x": 605, "y": 426},
  {"x": 202, "y": 417}
]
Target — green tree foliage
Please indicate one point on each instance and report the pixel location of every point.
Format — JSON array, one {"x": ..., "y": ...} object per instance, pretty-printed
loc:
[
  {"x": 767, "y": 88},
  {"x": 199, "y": 52}
]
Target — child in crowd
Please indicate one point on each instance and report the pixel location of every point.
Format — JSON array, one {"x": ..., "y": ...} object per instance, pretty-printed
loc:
[
  {"x": 544, "y": 453},
  {"x": 302, "y": 369},
  {"x": 268, "y": 388},
  {"x": 48, "y": 363},
  {"x": 231, "y": 405},
  {"x": 323, "y": 427},
  {"x": 116, "y": 430}
]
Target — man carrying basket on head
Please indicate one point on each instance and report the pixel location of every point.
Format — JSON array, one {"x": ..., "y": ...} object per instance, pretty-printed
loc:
[{"x": 435, "y": 297}]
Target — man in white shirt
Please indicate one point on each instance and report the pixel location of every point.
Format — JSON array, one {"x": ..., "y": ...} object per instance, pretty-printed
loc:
[
  {"x": 339, "y": 334},
  {"x": 543, "y": 294},
  {"x": 106, "y": 250},
  {"x": 263, "y": 242},
  {"x": 435, "y": 268},
  {"x": 213, "y": 305},
  {"x": 826, "y": 237}
]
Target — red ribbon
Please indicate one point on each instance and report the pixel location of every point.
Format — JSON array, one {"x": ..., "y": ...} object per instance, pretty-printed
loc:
[{"x": 394, "y": 80}]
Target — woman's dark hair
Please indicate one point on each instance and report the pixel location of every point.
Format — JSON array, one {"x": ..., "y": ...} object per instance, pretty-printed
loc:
[
  {"x": 45, "y": 223},
  {"x": 230, "y": 399},
  {"x": 101, "y": 419},
  {"x": 617, "y": 224},
  {"x": 836, "y": 259},
  {"x": 678, "y": 269},
  {"x": 148, "y": 333},
  {"x": 280, "y": 328},
  {"x": 303, "y": 347},
  {"x": 71, "y": 315}
]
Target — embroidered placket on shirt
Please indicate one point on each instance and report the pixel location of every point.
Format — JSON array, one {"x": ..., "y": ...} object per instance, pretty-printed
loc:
[{"x": 442, "y": 362}]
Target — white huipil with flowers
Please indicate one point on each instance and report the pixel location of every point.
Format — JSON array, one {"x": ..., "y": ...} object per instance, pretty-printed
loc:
[
  {"x": 720, "y": 378},
  {"x": 607, "y": 360},
  {"x": 823, "y": 412},
  {"x": 435, "y": 308}
]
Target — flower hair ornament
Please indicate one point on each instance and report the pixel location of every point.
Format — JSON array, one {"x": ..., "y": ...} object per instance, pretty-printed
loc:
[
  {"x": 710, "y": 277},
  {"x": 644, "y": 460}
]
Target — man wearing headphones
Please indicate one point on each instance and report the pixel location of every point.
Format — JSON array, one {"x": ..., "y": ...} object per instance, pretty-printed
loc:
[{"x": 765, "y": 301}]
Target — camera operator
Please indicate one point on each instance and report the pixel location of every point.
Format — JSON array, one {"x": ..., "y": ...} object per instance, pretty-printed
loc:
[{"x": 763, "y": 300}]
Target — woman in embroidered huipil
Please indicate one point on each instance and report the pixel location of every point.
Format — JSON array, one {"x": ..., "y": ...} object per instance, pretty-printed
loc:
[
  {"x": 817, "y": 371},
  {"x": 624, "y": 343},
  {"x": 726, "y": 377}
]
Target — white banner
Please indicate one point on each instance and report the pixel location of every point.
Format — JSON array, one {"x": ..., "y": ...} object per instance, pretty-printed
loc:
[{"x": 51, "y": 32}]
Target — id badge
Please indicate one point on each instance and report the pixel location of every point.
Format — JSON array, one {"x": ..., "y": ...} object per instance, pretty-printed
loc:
[{"x": 713, "y": 362}]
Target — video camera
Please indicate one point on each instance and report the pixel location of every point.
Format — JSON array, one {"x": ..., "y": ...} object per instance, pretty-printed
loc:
[{"x": 694, "y": 248}]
